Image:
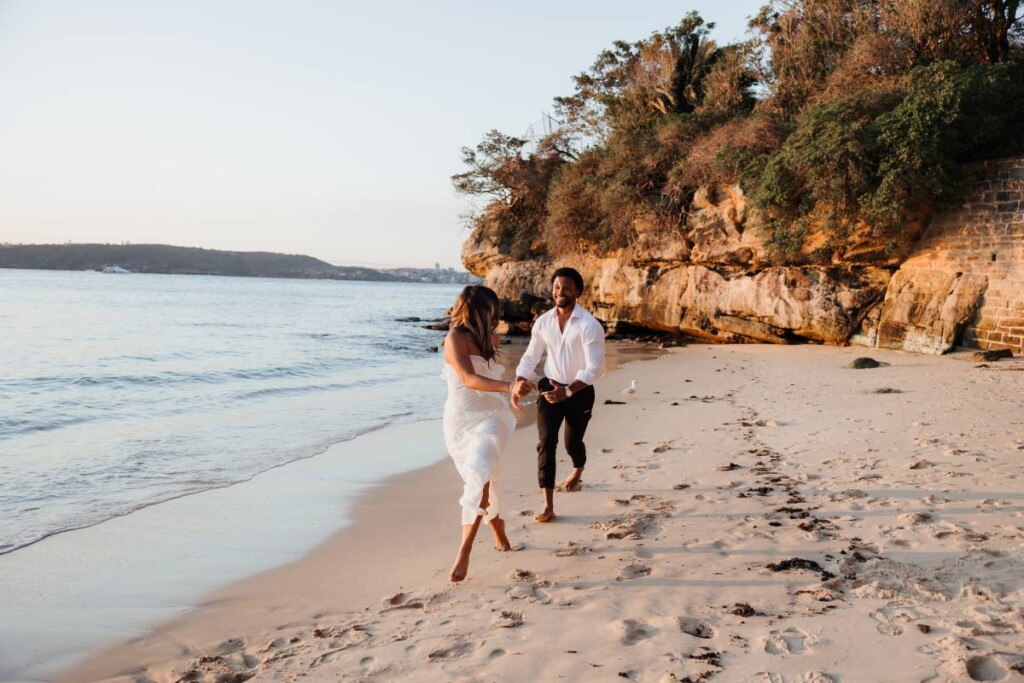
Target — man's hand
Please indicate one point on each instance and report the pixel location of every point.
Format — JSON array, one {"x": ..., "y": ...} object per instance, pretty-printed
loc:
[{"x": 556, "y": 395}]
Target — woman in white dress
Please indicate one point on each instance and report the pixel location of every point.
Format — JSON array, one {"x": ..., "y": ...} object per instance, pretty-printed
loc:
[{"x": 478, "y": 419}]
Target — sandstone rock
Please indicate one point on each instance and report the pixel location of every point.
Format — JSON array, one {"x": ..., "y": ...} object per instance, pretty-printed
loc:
[
  {"x": 710, "y": 277},
  {"x": 926, "y": 310},
  {"x": 776, "y": 305},
  {"x": 717, "y": 229},
  {"x": 483, "y": 252}
]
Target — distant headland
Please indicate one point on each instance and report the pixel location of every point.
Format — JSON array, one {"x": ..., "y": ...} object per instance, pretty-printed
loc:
[{"x": 163, "y": 258}]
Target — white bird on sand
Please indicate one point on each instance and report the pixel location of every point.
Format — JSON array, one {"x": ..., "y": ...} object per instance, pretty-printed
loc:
[{"x": 630, "y": 390}]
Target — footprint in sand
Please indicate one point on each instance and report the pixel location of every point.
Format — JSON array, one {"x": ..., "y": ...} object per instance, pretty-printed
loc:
[
  {"x": 696, "y": 627},
  {"x": 793, "y": 641},
  {"x": 530, "y": 592},
  {"x": 985, "y": 668},
  {"x": 401, "y": 601},
  {"x": 885, "y": 625},
  {"x": 817, "y": 677},
  {"x": 632, "y": 631},
  {"x": 508, "y": 619},
  {"x": 633, "y": 571},
  {"x": 522, "y": 575},
  {"x": 632, "y": 525},
  {"x": 216, "y": 668},
  {"x": 449, "y": 651},
  {"x": 571, "y": 549}
]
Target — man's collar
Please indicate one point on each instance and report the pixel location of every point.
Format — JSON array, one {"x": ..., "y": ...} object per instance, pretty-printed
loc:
[{"x": 576, "y": 311}]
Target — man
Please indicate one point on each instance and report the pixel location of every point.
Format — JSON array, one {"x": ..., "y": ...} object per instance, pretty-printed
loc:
[{"x": 574, "y": 342}]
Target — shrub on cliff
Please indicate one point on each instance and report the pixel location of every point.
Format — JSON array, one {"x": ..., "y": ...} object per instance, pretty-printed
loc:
[
  {"x": 514, "y": 186},
  {"x": 886, "y": 157},
  {"x": 952, "y": 114}
]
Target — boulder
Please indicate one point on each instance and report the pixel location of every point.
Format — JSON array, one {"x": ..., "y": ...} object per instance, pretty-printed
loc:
[
  {"x": 926, "y": 310},
  {"x": 991, "y": 355}
]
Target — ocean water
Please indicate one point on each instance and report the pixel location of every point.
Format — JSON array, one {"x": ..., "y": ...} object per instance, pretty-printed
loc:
[{"x": 121, "y": 391}]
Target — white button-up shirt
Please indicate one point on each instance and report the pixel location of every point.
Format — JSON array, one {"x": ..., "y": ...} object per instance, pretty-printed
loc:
[{"x": 575, "y": 353}]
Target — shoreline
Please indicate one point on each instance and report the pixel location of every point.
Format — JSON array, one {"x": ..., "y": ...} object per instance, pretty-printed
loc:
[
  {"x": 131, "y": 572},
  {"x": 38, "y": 641},
  {"x": 730, "y": 460}
]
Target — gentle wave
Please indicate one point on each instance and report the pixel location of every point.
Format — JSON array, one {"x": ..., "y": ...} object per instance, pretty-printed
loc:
[
  {"x": 116, "y": 398},
  {"x": 187, "y": 486},
  {"x": 166, "y": 378}
]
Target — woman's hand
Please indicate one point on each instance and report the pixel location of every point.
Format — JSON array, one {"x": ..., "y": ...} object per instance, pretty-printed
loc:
[{"x": 517, "y": 390}]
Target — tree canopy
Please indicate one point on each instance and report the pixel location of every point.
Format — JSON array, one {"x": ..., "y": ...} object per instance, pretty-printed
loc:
[{"x": 831, "y": 113}]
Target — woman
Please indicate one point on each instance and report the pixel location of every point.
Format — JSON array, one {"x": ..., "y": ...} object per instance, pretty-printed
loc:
[{"x": 477, "y": 418}]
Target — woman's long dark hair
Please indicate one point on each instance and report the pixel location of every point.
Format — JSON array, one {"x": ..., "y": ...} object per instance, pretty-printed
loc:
[{"x": 476, "y": 312}]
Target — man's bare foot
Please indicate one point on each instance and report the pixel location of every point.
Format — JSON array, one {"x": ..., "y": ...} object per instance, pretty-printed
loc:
[
  {"x": 546, "y": 516},
  {"x": 501, "y": 541},
  {"x": 572, "y": 484},
  {"x": 461, "y": 567}
]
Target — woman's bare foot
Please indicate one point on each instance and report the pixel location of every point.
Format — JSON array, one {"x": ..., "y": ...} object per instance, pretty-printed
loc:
[
  {"x": 501, "y": 541},
  {"x": 461, "y": 567},
  {"x": 546, "y": 516}
]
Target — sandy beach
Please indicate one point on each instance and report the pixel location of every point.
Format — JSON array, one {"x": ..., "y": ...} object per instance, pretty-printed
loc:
[{"x": 754, "y": 513}]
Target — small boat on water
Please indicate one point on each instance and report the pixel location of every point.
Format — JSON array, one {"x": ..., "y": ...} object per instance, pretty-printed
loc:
[{"x": 116, "y": 269}]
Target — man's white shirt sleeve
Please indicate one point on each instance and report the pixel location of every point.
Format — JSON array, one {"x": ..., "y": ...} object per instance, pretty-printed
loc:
[
  {"x": 593, "y": 352},
  {"x": 534, "y": 350}
]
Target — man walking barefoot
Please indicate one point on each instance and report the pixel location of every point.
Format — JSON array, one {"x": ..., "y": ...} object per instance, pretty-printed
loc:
[{"x": 574, "y": 342}]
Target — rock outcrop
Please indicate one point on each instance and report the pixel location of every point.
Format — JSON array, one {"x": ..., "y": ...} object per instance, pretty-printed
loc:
[{"x": 713, "y": 278}]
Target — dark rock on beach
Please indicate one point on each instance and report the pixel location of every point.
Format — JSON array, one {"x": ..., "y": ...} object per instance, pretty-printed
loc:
[
  {"x": 800, "y": 563},
  {"x": 991, "y": 355},
  {"x": 742, "y": 609},
  {"x": 863, "y": 363},
  {"x": 794, "y": 563}
]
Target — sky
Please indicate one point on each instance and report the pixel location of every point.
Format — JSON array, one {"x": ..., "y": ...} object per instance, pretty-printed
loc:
[{"x": 327, "y": 128}]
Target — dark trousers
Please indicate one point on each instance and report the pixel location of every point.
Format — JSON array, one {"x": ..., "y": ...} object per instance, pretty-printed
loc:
[{"x": 575, "y": 411}]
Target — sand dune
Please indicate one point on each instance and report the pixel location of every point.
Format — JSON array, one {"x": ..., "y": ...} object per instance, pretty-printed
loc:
[{"x": 753, "y": 513}]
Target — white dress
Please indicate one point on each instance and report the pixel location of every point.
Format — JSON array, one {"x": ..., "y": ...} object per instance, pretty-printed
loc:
[{"x": 477, "y": 428}]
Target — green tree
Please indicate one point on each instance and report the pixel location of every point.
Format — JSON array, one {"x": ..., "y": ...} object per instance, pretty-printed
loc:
[{"x": 631, "y": 82}]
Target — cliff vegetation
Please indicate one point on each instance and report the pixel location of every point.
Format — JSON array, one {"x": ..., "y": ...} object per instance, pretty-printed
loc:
[
  {"x": 839, "y": 120},
  {"x": 772, "y": 189}
]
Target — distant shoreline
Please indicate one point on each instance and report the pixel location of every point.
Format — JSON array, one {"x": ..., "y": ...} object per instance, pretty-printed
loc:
[{"x": 171, "y": 260}]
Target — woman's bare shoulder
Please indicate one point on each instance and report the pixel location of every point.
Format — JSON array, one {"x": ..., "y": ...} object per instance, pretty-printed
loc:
[{"x": 460, "y": 342}]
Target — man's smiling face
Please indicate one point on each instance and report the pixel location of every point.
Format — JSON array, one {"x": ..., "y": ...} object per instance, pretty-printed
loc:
[{"x": 563, "y": 291}]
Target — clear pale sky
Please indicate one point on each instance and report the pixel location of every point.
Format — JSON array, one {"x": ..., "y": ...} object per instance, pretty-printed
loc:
[{"x": 327, "y": 128}]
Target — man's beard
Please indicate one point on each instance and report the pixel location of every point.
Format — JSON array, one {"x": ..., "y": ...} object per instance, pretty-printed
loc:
[{"x": 567, "y": 303}]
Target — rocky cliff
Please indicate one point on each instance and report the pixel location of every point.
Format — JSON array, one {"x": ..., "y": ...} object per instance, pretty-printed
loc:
[{"x": 960, "y": 279}]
